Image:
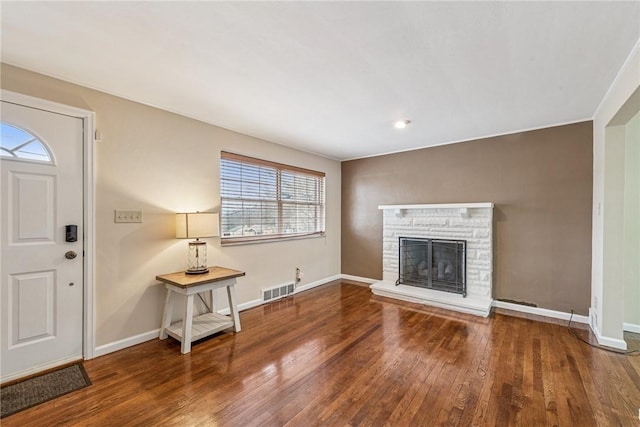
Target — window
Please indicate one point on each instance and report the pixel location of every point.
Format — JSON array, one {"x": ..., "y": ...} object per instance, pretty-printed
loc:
[
  {"x": 18, "y": 144},
  {"x": 262, "y": 200}
]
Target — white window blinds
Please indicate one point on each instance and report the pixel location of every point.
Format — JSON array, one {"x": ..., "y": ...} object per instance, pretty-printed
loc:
[{"x": 262, "y": 200}]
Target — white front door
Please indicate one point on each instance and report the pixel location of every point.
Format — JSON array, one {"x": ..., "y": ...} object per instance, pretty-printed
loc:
[{"x": 41, "y": 179}]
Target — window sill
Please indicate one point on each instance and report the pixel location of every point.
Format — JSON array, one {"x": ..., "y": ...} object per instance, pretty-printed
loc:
[{"x": 252, "y": 241}]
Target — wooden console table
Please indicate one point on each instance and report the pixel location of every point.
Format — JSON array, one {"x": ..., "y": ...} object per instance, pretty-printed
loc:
[{"x": 194, "y": 328}]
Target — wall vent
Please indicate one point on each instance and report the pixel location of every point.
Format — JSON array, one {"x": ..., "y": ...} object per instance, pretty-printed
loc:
[{"x": 277, "y": 292}]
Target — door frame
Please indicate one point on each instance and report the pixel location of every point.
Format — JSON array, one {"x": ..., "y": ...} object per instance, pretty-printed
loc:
[{"x": 88, "y": 202}]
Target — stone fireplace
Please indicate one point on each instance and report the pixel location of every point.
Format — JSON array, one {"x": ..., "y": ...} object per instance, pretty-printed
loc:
[{"x": 440, "y": 255}]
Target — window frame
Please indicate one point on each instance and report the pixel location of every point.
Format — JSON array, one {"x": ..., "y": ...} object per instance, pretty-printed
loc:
[
  {"x": 280, "y": 168},
  {"x": 16, "y": 154}
]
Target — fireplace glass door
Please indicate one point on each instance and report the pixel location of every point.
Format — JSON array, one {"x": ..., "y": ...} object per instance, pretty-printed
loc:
[{"x": 437, "y": 264}]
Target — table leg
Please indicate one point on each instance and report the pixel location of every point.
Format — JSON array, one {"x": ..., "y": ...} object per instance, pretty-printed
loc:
[
  {"x": 187, "y": 321},
  {"x": 166, "y": 315},
  {"x": 233, "y": 308}
]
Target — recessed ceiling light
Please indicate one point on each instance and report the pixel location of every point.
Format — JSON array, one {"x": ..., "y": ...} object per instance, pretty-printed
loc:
[{"x": 401, "y": 124}]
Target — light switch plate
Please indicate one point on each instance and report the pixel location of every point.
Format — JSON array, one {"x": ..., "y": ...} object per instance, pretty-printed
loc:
[{"x": 127, "y": 216}]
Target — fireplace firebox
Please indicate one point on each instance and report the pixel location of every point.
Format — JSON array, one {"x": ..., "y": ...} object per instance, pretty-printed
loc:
[{"x": 438, "y": 264}]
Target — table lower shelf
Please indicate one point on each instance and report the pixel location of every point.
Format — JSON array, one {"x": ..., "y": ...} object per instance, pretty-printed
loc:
[{"x": 203, "y": 325}]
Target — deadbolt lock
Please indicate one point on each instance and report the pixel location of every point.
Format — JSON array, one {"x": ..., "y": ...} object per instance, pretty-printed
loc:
[{"x": 70, "y": 255}]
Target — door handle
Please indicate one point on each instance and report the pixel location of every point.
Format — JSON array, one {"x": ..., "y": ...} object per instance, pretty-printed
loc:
[{"x": 70, "y": 255}]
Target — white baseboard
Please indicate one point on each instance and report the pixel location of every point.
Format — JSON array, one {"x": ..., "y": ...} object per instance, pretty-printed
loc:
[
  {"x": 308, "y": 286},
  {"x": 243, "y": 306},
  {"x": 298, "y": 289},
  {"x": 541, "y": 311},
  {"x": 602, "y": 340},
  {"x": 630, "y": 327},
  {"x": 127, "y": 342},
  {"x": 359, "y": 279},
  {"x": 147, "y": 336}
]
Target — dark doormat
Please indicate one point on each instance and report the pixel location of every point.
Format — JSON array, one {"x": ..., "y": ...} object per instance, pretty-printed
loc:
[{"x": 42, "y": 388}]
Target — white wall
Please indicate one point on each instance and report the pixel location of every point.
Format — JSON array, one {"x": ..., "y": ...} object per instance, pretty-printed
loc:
[
  {"x": 632, "y": 223},
  {"x": 607, "y": 305},
  {"x": 162, "y": 163},
  {"x": 613, "y": 224}
]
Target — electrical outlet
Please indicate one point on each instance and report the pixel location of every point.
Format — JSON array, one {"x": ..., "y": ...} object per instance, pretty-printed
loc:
[
  {"x": 299, "y": 275},
  {"x": 121, "y": 216}
]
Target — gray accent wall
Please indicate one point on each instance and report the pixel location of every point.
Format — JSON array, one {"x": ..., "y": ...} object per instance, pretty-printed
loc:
[{"x": 540, "y": 182}]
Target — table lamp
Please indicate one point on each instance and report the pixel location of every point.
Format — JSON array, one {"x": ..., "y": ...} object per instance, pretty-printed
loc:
[{"x": 195, "y": 226}]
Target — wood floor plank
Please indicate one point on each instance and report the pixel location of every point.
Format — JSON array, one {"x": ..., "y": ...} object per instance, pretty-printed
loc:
[{"x": 336, "y": 355}]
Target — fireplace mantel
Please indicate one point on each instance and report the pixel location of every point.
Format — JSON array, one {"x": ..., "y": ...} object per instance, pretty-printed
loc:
[
  {"x": 462, "y": 207},
  {"x": 440, "y": 206}
]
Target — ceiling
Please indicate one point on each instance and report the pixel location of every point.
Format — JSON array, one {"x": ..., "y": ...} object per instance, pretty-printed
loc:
[{"x": 332, "y": 77}]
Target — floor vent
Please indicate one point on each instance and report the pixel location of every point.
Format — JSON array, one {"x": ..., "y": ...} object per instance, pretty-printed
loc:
[{"x": 277, "y": 292}]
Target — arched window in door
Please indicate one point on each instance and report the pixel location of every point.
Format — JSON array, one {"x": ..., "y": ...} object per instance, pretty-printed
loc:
[{"x": 18, "y": 144}]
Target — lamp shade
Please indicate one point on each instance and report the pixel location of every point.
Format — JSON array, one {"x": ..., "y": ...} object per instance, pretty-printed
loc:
[{"x": 197, "y": 225}]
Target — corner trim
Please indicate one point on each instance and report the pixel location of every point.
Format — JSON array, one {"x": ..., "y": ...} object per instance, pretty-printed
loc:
[
  {"x": 605, "y": 341},
  {"x": 617, "y": 78},
  {"x": 476, "y": 138},
  {"x": 609, "y": 342}
]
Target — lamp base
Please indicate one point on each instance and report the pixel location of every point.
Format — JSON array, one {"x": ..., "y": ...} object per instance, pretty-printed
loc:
[
  {"x": 197, "y": 271},
  {"x": 197, "y": 259}
]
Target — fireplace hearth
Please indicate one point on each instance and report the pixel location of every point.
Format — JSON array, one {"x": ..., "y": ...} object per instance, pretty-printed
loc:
[{"x": 438, "y": 264}]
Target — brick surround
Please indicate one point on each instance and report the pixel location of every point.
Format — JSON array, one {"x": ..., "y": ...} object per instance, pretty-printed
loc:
[{"x": 472, "y": 222}]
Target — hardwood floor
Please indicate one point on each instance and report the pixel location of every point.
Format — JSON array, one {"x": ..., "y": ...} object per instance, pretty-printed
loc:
[{"x": 337, "y": 355}]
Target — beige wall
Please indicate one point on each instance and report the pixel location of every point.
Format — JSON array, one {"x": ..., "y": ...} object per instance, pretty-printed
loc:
[
  {"x": 632, "y": 222},
  {"x": 162, "y": 163},
  {"x": 540, "y": 182}
]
